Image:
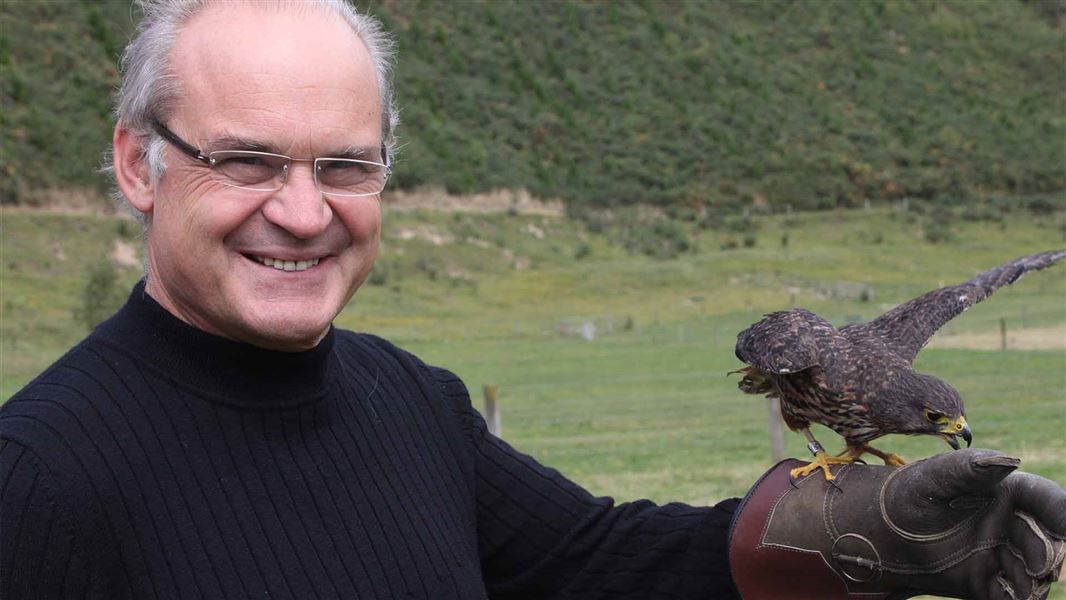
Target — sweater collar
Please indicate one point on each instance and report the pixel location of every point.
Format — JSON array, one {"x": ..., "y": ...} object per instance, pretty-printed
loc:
[{"x": 217, "y": 368}]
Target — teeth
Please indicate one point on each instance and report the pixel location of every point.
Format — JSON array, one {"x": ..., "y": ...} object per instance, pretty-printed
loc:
[{"x": 287, "y": 265}]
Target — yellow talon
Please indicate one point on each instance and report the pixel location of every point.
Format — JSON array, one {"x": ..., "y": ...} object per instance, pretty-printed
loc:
[
  {"x": 821, "y": 461},
  {"x": 893, "y": 460}
]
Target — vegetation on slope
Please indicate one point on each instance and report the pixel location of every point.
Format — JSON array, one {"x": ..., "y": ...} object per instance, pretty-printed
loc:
[{"x": 689, "y": 103}]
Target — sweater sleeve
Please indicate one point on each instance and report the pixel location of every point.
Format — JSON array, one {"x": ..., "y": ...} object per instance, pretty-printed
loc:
[
  {"x": 38, "y": 555},
  {"x": 542, "y": 536}
]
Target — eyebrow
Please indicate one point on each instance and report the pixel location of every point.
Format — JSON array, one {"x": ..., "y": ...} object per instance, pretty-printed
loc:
[
  {"x": 360, "y": 152},
  {"x": 233, "y": 142}
]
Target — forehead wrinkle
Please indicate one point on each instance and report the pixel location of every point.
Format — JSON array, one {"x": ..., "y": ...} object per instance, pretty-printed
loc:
[
  {"x": 276, "y": 72},
  {"x": 234, "y": 142},
  {"x": 283, "y": 126}
]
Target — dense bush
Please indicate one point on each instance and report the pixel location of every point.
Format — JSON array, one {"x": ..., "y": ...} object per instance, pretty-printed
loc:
[
  {"x": 101, "y": 294},
  {"x": 697, "y": 106}
]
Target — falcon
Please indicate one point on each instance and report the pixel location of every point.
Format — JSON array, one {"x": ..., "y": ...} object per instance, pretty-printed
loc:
[{"x": 857, "y": 379}]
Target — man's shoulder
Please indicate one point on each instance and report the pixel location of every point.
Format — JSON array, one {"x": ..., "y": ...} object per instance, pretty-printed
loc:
[
  {"x": 368, "y": 345},
  {"x": 50, "y": 436},
  {"x": 65, "y": 394},
  {"x": 347, "y": 338}
]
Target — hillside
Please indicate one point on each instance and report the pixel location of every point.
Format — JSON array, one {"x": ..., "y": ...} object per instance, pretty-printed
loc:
[{"x": 686, "y": 104}]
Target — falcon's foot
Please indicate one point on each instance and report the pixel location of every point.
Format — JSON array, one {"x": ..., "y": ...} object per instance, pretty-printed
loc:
[
  {"x": 891, "y": 459},
  {"x": 822, "y": 461}
]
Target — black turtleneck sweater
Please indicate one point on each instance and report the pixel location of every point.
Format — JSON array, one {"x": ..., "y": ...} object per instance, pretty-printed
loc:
[{"x": 156, "y": 461}]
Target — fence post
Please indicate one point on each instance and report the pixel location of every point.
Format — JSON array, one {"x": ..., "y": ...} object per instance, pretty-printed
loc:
[
  {"x": 1003, "y": 334},
  {"x": 492, "y": 411},
  {"x": 777, "y": 430}
]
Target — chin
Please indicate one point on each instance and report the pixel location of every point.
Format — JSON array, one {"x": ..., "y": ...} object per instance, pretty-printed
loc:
[
  {"x": 293, "y": 333},
  {"x": 289, "y": 340}
]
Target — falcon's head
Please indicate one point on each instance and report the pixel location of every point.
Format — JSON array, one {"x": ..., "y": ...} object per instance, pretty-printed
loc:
[{"x": 932, "y": 407}]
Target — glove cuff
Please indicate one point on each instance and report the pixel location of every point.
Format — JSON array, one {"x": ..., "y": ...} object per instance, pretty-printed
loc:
[{"x": 775, "y": 572}]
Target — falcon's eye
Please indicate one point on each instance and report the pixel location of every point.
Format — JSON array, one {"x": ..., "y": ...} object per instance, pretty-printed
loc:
[{"x": 934, "y": 417}]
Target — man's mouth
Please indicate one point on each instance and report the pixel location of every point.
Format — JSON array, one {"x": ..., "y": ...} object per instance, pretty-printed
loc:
[{"x": 285, "y": 265}]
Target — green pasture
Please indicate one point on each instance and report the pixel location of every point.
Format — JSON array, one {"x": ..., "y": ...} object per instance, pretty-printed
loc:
[{"x": 645, "y": 409}]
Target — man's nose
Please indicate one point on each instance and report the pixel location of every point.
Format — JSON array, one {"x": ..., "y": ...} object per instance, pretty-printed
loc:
[{"x": 299, "y": 207}]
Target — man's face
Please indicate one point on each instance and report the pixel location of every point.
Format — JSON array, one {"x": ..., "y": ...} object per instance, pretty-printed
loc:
[{"x": 298, "y": 83}]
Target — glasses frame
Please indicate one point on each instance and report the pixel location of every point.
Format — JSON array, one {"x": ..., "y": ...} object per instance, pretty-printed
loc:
[{"x": 197, "y": 154}]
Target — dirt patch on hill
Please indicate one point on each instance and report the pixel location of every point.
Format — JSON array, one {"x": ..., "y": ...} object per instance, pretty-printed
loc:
[
  {"x": 125, "y": 254},
  {"x": 1033, "y": 338},
  {"x": 90, "y": 201},
  {"x": 72, "y": 200},
  {"x": 498, "y": 201}
]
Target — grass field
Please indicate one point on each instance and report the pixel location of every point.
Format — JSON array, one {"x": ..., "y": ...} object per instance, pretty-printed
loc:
[{"x": 645, "y": 409}]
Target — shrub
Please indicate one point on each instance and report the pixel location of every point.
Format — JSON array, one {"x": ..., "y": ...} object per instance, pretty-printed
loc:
[
  {"x": 379, "y": 275},
  {"x": 100, "y": 295},
  {"x": 664, "y": 239},
  {"x": 938, "y": 230}
]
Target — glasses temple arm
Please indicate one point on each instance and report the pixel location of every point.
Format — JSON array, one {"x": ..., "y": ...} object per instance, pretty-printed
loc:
[{"x": 179, "y": 143}]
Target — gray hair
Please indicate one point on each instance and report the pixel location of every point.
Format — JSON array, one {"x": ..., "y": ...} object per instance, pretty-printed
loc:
[{"x": 149, "y": 88}]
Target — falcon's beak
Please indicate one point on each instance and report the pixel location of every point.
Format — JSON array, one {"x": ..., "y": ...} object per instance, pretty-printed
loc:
[{"x": 959, "y": 427}]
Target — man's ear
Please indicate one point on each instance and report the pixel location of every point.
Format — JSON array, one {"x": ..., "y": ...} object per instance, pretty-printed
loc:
[{"x": 131, "y": 170}]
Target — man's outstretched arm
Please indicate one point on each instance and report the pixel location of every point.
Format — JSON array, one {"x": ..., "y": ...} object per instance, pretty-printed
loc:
[
  {"x": 542, "y": 536},
  {"x": 39, "y": 557},
  {"x": 961, "y": 525}
]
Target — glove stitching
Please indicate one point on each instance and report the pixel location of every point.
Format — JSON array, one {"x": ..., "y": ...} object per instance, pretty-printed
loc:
[
  {"x": 1037, "y": 589},
  {"x": 927, "y": 537},
  {"x": 1050, "y": 554},
  {"x": 1050, "y": 570},
  {"x": 1007, "y": 587},
  {"x": 945, "y": 563},
  {"x": 1040, "y": 590},
  {"x": 827, "y": 506},
  {"x": 829, "y": 503},
  {"x": 770, "y": 518}
]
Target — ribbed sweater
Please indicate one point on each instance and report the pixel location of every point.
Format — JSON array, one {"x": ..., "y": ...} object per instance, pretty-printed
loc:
[{"x": 157, "y": 461}]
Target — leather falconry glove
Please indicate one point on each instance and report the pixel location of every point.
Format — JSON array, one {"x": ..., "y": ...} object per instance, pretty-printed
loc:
[{"x": 960, "y": 524}]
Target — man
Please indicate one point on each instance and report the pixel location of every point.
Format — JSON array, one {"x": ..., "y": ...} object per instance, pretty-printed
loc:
[{"x": 217, "y": 438}]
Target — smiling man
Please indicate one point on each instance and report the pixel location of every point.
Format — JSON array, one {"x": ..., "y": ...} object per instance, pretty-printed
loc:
[
  {"x": 218, "y": 438},
  {"x": 267, "y": 262}
]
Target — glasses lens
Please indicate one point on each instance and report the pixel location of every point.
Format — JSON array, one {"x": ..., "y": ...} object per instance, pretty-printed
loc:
[
  {"x": 250, "y": 170},
  {"x": 350, "y": 177}
]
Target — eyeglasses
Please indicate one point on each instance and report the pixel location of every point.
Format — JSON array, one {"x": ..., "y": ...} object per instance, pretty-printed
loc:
[{"x": 267, "y": 172}]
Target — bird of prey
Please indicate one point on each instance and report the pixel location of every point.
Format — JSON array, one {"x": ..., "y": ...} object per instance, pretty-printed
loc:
[{"x": 857, "y": 379}]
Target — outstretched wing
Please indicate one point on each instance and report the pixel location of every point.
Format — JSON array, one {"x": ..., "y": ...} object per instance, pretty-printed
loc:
[
  {"x": 787, "y": 342},
  {"x": 906, "y": 329}
]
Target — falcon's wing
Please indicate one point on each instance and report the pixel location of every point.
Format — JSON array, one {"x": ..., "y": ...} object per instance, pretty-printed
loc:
[
  {"x": 907, "y": 328},
  {"x": 787, "y": 342}
]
